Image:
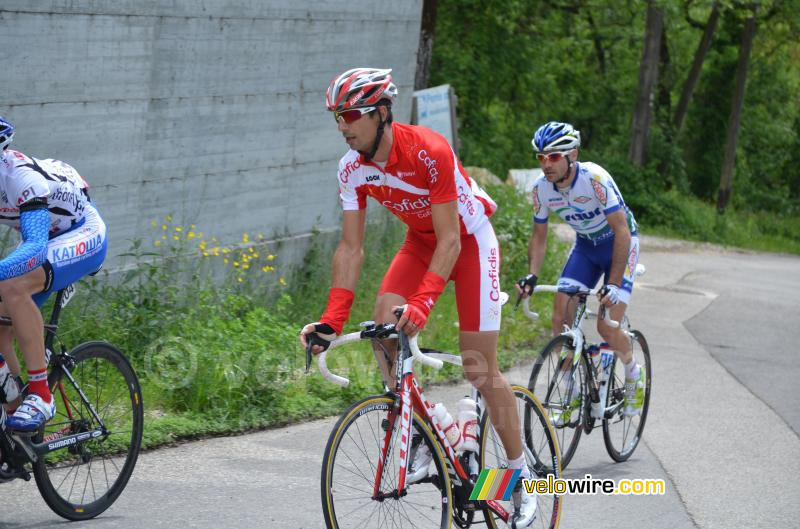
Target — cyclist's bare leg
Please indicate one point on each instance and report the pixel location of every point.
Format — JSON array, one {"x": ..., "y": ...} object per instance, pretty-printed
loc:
[
  {"x": 563, "y": 314},
  {"x": 382, "y": 313},
  {"x": 27, "y": 320},
  {"x": 479, "y": 357},
  {"x": 7, "y": 345},
  {"x": 10, "y": 356},
  {"x": 616, "y": 338}
]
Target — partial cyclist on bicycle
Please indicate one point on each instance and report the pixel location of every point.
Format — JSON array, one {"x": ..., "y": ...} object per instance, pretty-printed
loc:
[
  {"x": 414, "y": 172},
  {"x": 63, "y": 239},
  {"x": 585, "y": 196}
]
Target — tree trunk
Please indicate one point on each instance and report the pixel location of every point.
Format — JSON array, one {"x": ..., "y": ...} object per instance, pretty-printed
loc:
[
  {"x": 425, "y": 50},
  {"x": 729, "y": 161},
  {"x": 648, "y": 79},
  {"x": 697, "y": 65}
]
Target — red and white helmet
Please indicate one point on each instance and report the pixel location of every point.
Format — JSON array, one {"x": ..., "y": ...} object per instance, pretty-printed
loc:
[{"x": 360, "y": 87}]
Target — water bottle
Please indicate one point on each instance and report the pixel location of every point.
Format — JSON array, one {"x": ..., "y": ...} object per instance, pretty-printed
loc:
[
  {"x": 447, "y": 424},
  {"x": 606, "y": 359},
  {"x": 468, "y": 424}
]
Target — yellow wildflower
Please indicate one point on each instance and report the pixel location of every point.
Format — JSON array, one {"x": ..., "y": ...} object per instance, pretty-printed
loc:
[
  {"x": 282, "y": 281},
  {"x": 157, "y": 243}
]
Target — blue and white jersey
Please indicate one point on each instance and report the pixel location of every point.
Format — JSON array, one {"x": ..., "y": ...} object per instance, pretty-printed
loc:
[
  {"x": 23, "y": 178},
  {"x": 585, "y": 204}
]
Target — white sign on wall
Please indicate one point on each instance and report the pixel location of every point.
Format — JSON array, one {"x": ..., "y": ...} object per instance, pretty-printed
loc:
[{"x": 435, "y": 108}]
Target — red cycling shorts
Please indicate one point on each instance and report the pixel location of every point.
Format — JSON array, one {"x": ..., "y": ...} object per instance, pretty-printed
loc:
[{"x": 476, "y": 275}]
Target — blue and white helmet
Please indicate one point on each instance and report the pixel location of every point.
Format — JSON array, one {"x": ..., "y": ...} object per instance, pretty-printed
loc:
[
  {"x": 556, "y": 136},
  {"x": 6, "y": 133}
]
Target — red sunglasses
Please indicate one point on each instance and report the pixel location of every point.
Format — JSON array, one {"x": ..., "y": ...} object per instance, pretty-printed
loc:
[
  {"x": 349, "y": 116},
  {"x": 551, "y": 157}
]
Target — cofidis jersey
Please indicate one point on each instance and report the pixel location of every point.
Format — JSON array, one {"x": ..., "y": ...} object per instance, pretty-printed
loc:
[{"x": 422, "y": 169}]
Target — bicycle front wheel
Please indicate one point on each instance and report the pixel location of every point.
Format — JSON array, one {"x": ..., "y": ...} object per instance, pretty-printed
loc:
[
  {"x": 84, "y": 479},
  {"x": 366, "y": 438},
  {"x": 541, "y": 454},
  {"x": 622, "y": 432},
  {"x": 560, "y": 385}
]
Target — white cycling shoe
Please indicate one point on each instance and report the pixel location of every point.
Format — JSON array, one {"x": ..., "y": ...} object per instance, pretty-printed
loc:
[
  {"x": 419, "y": 465},
  {"x": 525, "y": 507}
]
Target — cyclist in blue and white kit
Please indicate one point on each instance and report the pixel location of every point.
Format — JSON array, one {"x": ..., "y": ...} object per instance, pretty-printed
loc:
[
  {"x": 585, "y": 196},
  {"x": 63, "y": 239}
]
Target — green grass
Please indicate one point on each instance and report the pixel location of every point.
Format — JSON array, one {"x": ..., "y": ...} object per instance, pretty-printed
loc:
[
  {"x": 215, "y": 345},
  {"x": 682, "y": 216},
  {"x": 216, "y": 348},
  {"x": 698, "y": 221}
]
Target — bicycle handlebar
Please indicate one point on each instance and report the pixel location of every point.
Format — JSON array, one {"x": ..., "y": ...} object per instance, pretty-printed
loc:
[
  {"x": 363, "y": 335},
  {"x": 554, "y": 289}
]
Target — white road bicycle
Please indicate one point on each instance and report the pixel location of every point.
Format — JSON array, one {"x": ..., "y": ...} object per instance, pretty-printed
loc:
[{"x": 580, "y": 389}]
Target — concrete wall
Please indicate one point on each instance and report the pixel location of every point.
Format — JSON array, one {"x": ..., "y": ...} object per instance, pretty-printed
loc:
[{"x": 211, "y": 111}]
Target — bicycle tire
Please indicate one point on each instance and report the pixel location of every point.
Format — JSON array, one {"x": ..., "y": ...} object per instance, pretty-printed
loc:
[
  {"x": 343, "y": 462},
  {"x": 545, "y": 385},
  {"x": 107, "y": 379},
  {"x": 540, "y": 445},
  {"x": 620, "y": 446}
]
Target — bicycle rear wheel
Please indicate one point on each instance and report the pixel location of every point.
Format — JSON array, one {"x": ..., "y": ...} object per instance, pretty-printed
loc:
[
  {"x": 621, "y": 432},
  {"x": 548, "y": 379},
  {"x": 541, "y": 454},
  {"x": 350, "y": 467},
  {"x": 84, "y": 479}
]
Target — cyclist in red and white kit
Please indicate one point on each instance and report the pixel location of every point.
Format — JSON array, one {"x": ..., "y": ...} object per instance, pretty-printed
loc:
[{"x": 414, "y": 172}]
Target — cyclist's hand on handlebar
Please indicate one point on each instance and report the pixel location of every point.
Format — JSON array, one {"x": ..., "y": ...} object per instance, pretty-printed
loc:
[
  {"x": 525, "y": 286},
  {"x": 316, "y": 337},
  {"x": 609, "y": 294},
  {"x": 412, "y": 319}
]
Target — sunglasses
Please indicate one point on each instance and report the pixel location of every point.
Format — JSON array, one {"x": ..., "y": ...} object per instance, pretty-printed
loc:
[
  {"x": 349, "y": 116},
  {"x": 551, "y": 157}
]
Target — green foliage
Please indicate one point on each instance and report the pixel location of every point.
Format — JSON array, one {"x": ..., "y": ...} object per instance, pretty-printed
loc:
[
  {"x": 215, "y": 344},
  {"x": 516, "y": 64}
]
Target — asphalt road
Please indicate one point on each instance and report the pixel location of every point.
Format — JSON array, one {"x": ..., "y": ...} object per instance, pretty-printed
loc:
[{"x": 722, "y": 430}]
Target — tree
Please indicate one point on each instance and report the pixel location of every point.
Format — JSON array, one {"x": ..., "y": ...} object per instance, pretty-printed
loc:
[
  {"x": 697, "y": 65},
  {"x": 729, "y": 160},
  {"x": 425, "y": 51},
  {"x": 648, "y": 79}
]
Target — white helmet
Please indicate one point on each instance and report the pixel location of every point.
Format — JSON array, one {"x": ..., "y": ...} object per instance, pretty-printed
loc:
[{"x": 360, "y": 87}]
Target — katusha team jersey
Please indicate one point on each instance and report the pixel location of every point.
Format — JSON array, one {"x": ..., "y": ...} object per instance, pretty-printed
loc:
[
  {"x": 422, "y": 169},
  {"x": 23, "y": 178},
  {"x": 585, "y": 204}
]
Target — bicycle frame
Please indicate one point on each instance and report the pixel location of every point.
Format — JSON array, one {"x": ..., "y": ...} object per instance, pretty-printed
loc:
[
  {"x": 597, "y": 390},
  {"x": 409, "y": 398},
  {"x": 57, "y": 440}
]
